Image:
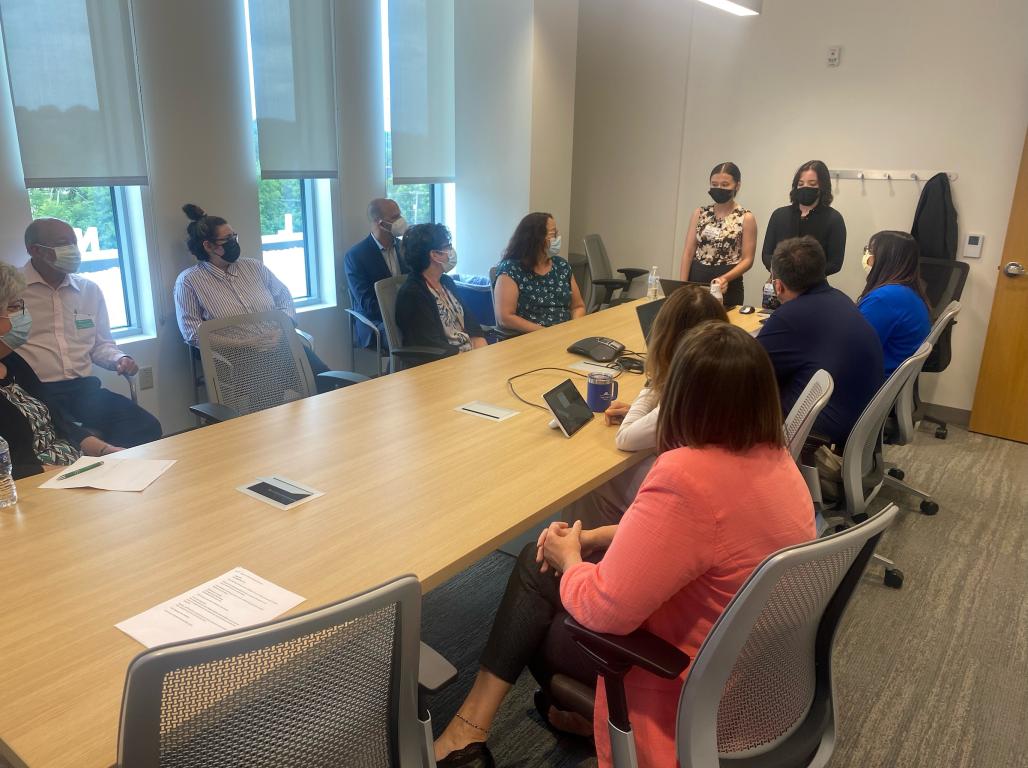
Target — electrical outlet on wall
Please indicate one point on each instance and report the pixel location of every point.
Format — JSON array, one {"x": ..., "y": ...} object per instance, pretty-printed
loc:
[
  {"x": 146, "y": 378},
  {"x": 834, "y": 54}
]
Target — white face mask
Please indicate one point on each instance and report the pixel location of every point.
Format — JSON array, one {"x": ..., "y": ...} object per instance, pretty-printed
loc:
[
  {"x": 451, "y": 260},
  {"x": 554, "y": 249},
  {"x": 68, "y": 258},
  {"x": 866, "y": 262},
  {"x": 398, "y": 228}
]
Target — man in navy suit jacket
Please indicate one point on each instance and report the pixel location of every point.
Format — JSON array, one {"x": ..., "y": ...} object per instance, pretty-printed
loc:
[
  {"x": 374, "y": 258},
  {"x": 818, "y": 326}
]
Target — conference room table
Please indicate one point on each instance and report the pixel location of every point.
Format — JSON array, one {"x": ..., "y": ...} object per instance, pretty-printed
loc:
[{"x": 410, "y": 485}]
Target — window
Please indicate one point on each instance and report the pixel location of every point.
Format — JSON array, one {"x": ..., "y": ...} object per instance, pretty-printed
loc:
[
  {"x": 105, "y": 222},
  {"x": 288, "y": 214}
]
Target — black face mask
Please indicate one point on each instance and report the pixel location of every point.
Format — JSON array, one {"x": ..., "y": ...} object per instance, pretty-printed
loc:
[
  {"x": 231, "y": 248},
  {"x": 720, "y": 194},
  {"x": 807, "y": 195}
]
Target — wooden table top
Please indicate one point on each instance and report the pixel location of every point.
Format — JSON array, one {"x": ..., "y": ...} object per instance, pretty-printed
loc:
[{"x": 411, "y": 486}]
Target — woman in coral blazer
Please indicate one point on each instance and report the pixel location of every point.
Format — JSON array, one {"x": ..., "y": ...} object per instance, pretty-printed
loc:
[{"x": 723, "y": 495}]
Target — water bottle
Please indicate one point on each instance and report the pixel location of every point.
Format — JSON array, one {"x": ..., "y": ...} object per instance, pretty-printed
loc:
[
  {"x": 653, "y": 289},
  {"x": 715, "y": 291},
  {"x": 8, "y": 493},
  {"x": 769, "y": 299}
]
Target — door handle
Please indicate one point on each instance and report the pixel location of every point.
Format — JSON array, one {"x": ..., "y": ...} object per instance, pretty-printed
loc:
[{"x": 1013, "y": 269}]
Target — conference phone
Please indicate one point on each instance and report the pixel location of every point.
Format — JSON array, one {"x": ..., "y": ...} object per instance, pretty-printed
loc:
[{"x": 598, "y": 348}]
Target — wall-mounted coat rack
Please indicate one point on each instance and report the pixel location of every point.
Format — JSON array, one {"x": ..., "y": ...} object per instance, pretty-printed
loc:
[{"x": 866, "y": 175}]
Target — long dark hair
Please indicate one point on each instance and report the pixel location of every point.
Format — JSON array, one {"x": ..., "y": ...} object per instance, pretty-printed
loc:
[
  {"x": 528, "y": 240},
  {"x": 897, "y": 262},
  {"x": 684, "y": 309},
  {"x": 721, "y": 390},
  {"x": 201, "y": 227},
  {"x": 824, "y": 181}
]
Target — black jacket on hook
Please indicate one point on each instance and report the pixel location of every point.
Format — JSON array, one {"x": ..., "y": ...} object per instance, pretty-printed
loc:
[{"x": 935, "y": 220}]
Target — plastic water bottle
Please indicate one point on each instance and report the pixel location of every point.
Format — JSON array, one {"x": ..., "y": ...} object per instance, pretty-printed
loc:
[
  {"x": 653, "y": 289},
  {"x": 715, "y": 291},
  {"x": 769, "y": 300},
  {"x": 8, "y": 493}
]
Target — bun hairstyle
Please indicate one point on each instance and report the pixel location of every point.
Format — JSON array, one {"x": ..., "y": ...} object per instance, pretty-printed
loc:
[{"x": 201, "y": 227}]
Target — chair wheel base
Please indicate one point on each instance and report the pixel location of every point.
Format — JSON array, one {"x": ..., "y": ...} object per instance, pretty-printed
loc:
[
  {"x": 898, "y": 473},
  {"x": 929, "y": 508},
  {"x": 893, "y": 578},
  {"x": 942, "y": 433}
]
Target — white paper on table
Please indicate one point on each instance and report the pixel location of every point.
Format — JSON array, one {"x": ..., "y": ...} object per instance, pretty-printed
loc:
[
  {"x": 235, "y": 600},
  {"x": 486, "y": 411},
  {"x": 282, "y": 493},
  {"x": 114, "y": 475}
]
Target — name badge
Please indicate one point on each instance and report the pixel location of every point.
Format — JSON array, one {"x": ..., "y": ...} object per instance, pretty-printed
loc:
[
  {"x": 85, "y": 323},
  {"x": 710, "y": 232}
]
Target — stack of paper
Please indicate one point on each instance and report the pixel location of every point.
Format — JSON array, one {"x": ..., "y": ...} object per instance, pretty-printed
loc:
[{"x": 112, "y": 474}]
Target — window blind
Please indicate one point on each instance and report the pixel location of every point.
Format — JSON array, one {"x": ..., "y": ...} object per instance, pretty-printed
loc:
[
  {"x": 72, "y": 71},
  {"x": 421, "y": 101},
  {"x": 294, "y": 87}
]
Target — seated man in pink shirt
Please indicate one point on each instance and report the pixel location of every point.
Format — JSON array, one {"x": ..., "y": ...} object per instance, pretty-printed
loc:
[
  {"x": 723, "y": 494},
  {"x": 70, "y": 333}
]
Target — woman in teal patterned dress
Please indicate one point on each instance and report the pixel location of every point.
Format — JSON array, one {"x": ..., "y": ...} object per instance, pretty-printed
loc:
[
  {"x": 722, "y": 238},
  {"x": 534, "y": 286}
]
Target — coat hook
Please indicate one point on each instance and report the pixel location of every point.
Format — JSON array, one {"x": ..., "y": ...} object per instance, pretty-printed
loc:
[
  {"x": 888, "y": 176},
  {"x": 914, "y": 177},
  {"x": 860, "y": 175}
]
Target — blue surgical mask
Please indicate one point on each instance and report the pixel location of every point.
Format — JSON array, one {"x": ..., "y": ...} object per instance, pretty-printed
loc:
[
  {"x": 68, "y": 258},
  {"x": 21, "y": 324},
  {"x": 554, "y": 248}
]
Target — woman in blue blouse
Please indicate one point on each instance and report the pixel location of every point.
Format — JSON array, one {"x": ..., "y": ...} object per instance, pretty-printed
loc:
[
  {"x": 893, "y": 300},
  {"x": 534, "y": 286}
]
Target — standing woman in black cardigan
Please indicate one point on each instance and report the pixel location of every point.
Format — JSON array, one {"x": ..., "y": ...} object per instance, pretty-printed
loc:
[
  {"x": 429, "y": 312},
  {"x": 810, "y": 213}
]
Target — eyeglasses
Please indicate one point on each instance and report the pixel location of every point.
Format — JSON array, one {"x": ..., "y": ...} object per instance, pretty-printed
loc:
[
  {"x": 16, "y": 308},
  {"x": 230, "y": 238}
]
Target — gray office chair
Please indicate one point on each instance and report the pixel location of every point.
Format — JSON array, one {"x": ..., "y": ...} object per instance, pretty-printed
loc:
[
  {"x": 252, "y": 362},
  {"x": 336, "y": 686},
  {"x": 603, "y": 284},
  {"x": 381, "y": 351},
  {"x": 804, "y": 413},
  {"x": 759, "y": 693},
  {"x": 400, "y": 356}
]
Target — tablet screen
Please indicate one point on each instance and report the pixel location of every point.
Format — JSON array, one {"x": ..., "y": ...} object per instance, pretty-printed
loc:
[{"x": 568, "y": 407}]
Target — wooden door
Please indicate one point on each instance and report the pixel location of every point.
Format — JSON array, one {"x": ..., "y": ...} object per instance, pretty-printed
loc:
[{"x": 1001, "y": 397}]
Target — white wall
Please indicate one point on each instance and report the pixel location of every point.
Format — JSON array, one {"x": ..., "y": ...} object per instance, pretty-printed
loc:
[{"x": 933, "y": 86}]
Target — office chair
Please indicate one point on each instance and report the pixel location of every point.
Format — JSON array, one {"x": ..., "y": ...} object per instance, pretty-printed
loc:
[
  {"x": 381, "y": 351},
  {"x": 256, "y": 361},
  {"x": 602, "y": 282},
  {"x": 800, "y": 421},
  {"x": 759, "y": 692},
  {"x": 340, "y": 685},
  {"x": 400, "y": 356},
  {"x": 943, "y": 281}
]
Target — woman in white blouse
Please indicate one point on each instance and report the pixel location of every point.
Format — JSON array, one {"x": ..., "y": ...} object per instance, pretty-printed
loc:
[{"x": 685, "y": 308}]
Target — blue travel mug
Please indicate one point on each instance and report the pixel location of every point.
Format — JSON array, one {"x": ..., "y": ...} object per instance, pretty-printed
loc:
[{"x": 600, "y": 391}]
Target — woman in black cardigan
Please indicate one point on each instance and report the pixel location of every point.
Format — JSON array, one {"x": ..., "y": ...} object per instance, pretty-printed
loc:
[
  {"x": 429, "y": 312},
  {"x": 39, "y": 433}
]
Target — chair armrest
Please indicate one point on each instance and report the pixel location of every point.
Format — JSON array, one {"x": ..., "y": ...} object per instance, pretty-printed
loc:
[
  {"x": 506, "y": 333},
  {"x": 420, "y": 354},
  {"x": 365, "y": 321},
  {"x": 306, "y": 338},
  {"x": 631, "y": 273},
  {"x": 619, "y": 653},
  {"x": 342, "y": 378},
  {"x": 611, "y": 282},
  {"x": 213, "y": 412},
  {"x": 434, "y": 671}
]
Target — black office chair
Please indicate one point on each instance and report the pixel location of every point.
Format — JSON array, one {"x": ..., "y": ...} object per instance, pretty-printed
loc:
[
  {"x": 498, "y": 332},
  {"x": 944, "y": 281},
  {"x": 601, "y": 278}
]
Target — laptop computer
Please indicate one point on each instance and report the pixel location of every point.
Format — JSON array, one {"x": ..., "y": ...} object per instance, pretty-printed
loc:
[
  {"x": 647, "y": 312},
  {"x": 670, "y": 286}
]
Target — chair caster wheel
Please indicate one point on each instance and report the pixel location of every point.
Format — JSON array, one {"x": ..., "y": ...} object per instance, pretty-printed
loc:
[
  {"x": 929, "y": 508},
  {"x": 941, "y": 433},
  {"x": 898, "y": 473},
  {"x": 893, "y": 578}
]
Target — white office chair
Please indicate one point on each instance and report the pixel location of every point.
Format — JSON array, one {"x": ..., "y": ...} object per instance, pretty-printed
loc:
[
  {"x": 804, "y": 413},
  {"x": 336, "y": 686},
  {"x": 400, "y": 355}
]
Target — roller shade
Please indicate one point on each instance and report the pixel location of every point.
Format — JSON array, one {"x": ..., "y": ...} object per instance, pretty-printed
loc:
[
  {"x": 421, "y": 106},
  {"x": 73, "y": 81},
  {"x": 294, "y": 87}
]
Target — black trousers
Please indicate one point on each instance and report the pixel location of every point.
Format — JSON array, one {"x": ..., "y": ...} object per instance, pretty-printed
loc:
[
  {"x": 529, "y": 629},
  {"x": 317, "y": 366},
  {"x": 117, "y": 419},
  {"x": 704, "y": 273}
]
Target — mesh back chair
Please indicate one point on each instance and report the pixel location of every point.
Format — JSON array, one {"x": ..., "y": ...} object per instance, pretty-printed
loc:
[
  {"x": 602, "y": 283},
  {"x": 943, "y": 281},
  {"x": 804, "y": 413},
  {"x": 400, "y": 356},
  {"x": 759, "y": 692},
  {"x": 252, "y": 362},
  {"x": 336, "y": 686}
]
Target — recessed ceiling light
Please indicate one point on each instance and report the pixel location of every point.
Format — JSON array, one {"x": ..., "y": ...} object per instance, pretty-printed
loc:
[{"x": 738, "y": 7}]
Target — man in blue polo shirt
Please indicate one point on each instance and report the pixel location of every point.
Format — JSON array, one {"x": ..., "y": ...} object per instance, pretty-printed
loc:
[{"x": 818, "y": 326}]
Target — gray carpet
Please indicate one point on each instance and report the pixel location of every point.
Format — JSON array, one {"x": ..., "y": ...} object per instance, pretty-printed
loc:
[{"x": 935, "y": 674}]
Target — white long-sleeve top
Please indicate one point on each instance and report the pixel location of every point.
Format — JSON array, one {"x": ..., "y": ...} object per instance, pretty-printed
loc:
[{"x": 638, "y": 431}]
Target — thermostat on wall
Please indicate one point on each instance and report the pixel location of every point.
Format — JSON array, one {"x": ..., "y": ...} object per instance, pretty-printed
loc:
[{"x": 973, "y": 246}]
